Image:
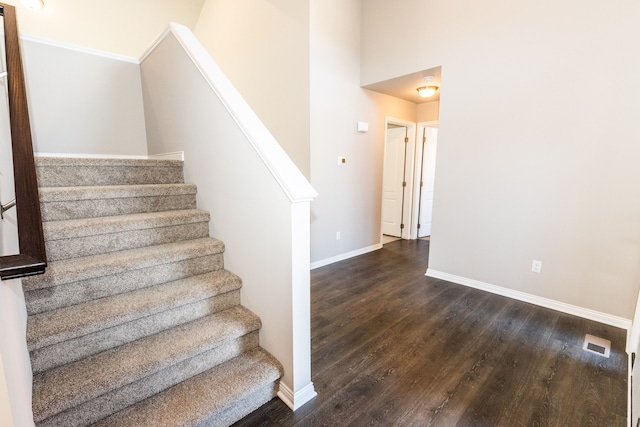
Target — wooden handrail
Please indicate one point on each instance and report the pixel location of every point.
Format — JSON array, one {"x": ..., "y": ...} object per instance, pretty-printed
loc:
[{"x": 32, "y": 258}]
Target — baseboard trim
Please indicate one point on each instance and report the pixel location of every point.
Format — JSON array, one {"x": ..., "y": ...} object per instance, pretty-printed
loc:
[
  {"x": 296, "y": 400},
  {"x": 574, "y": 310},
  {"x": 346, "y": 255},
  {"x": 176, "y": 155},
  {"x": 92, "y": 156}
]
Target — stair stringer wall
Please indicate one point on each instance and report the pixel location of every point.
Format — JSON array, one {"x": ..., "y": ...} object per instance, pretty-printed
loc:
[{"x": 258, "y": 200}]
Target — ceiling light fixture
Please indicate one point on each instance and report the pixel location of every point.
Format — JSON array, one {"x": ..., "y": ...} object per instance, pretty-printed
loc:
[
  {"x": 33, "y": 4},
  {"x": 427, "y": 91}
]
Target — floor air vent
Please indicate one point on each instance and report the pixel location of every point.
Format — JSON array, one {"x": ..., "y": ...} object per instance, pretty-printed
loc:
[{"x": 597, "y": 345}]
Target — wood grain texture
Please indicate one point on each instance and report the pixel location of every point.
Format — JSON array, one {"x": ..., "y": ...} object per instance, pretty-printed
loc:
[
  {"x": 392, "y": 347},
  {"x": 30, "y": 234}
]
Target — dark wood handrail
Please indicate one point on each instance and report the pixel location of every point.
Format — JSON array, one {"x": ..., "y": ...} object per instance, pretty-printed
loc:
[{"x": 32, "y": 258}]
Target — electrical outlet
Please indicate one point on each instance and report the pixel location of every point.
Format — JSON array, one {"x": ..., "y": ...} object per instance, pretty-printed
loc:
[
  {"x": 536, "y": 266},
  {"x": 337, "y": 235}
]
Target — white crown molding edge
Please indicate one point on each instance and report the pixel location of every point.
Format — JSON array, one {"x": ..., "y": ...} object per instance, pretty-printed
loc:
[
  {"x": 574, "y": 310},
  {"x": 346, "y": 255},
  {"x": 296, "y": 400},
  {"x": 79, "y": 49}
]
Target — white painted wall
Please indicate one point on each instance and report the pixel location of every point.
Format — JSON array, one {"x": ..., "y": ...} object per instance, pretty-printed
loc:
[
  {"x": 258, "y": 199},
  {"x": 121, "y": 26},
  {"x": 538, "y": 140},
  {"x": 15, "y": 366},
  {"x": 6, "y": 419},
  {"x": 350, "y": 197},
  {"x": 263, "y": 46},
  {"x": 83, "y": 102}
]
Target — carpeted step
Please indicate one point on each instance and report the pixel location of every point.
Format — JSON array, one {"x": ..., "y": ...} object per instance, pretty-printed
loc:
[
  {"x": 114, "y": 264},
  {"x": 63, "y": 203},
  {"x": 116, "y": 400},
  {"x": 77, "y": 383},
  {"x": 69, "y": 334},
  {"x": 68, "y": 172},
  {"x": 217, "y": 397},
  {"x": 90, "y": 236},
  {"x": 51, "y": 298}
]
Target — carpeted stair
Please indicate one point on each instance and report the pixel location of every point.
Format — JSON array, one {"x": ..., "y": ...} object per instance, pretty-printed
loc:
[{"x": 136, "y": 322}]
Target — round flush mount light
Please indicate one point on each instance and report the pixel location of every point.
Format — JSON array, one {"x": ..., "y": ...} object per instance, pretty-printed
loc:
[
  {"x": 429, "y": 90},
  {"x": 34, "y": 5}
]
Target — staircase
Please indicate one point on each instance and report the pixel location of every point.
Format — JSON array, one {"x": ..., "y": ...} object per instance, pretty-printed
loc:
[{"x": 136, "y": 322}]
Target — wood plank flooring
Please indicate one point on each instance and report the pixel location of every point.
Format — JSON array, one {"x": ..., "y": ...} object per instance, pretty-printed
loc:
[{"x": 392, "y": 347}]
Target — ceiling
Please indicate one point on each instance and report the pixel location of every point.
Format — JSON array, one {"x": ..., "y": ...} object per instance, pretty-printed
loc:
[{"x": 404, "y": 87}]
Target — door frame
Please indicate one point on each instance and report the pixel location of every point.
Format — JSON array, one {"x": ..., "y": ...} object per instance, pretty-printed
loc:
[
  {"x": 416, "y": 181},
  {"x": 410, "y": 165}
]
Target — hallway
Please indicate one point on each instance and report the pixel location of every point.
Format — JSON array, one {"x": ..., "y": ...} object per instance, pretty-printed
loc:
[{"x": 391, "y": 346}]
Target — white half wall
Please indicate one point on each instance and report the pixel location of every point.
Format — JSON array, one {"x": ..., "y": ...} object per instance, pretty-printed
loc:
[
  {"x": 258, "y": 199},
  {"x": 538, "y": 140},
  {"x": 83, "y": 102},
  {"x": 15, "y": 365}
]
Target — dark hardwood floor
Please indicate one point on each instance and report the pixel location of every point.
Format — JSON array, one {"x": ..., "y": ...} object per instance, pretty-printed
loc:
[{"x": 392, "y": 347}]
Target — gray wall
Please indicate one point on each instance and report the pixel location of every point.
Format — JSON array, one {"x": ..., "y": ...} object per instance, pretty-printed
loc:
[
  {"x": 83, "y": 103},
  {"x": 538, "y": 139}
]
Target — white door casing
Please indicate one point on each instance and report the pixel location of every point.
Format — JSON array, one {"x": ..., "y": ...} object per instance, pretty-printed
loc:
[{"x": 398, "y": 168}]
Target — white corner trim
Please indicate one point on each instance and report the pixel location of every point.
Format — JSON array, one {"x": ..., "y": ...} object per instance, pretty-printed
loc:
[
  {"x": 346, "y": 255},
  {"x": 80, "y": 49},
  {"x": 296, "y": 400},
  {"x": 177, "y": 155},
  {"x": 291, "y": 180},
  {"x": 608, "y": 319}
]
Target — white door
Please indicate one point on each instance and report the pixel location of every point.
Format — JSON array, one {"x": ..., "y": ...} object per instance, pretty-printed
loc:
[
  {"x": 392, "y": 180},
  {"x": 425, "y": 206}
]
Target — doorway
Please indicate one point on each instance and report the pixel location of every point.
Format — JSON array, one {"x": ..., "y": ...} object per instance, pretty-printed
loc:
[{"x": 408, "y": 179}]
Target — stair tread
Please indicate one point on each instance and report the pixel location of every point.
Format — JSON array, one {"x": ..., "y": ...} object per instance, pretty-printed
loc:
[
  {"x": 46, "y": 161},
  {"x": 64, "y": 194},
  {"x": 75, "y": 269},
  {"x": 69, "y": 385},
  {"x": 72, "y": 228},
  {"x": 66, "y": 323},
  {"x": 201, "y": 397}
]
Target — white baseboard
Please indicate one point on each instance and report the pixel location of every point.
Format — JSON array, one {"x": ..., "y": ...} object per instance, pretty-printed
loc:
[
  {"x": 177, "y": 155},
  {"x": 586, "y": 313},
  {"x": 296, "y": 400},
  {"x": 346, "y": 255},
  {"x": 91, "y": 156}
]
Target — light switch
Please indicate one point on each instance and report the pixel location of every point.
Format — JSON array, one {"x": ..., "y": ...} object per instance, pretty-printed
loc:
[
  {"x": 342, "y": 161},
  {"x": 363, "y": 127}
]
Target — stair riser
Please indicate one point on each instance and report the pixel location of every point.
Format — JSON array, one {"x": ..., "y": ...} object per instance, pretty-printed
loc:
[
  {"x": 93, "y": 208},
  {"x": 57, "y": 176},
  {"x": 77, "y": 348},
  {"x": 112, "y": 242},
  {"x": 243, "y": 407},
  {"x": 102, "y": 406},
  {"x": 46, "y": 299}
]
